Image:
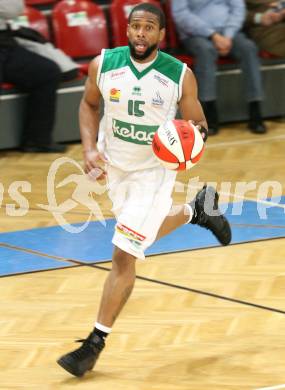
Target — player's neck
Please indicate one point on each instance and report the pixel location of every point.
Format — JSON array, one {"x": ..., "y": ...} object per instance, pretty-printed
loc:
[
  {"x": 141, "y": 66},
  {"x": 151, "y": 58}
]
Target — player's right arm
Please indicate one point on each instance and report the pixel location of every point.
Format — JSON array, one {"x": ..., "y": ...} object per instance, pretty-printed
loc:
[
  {"x": 89, "y": 119},
  {"x": 189, "y": 104}
]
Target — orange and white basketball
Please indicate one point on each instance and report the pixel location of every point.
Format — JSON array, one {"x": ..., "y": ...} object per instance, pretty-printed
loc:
[{"x": 178, "y": 144}]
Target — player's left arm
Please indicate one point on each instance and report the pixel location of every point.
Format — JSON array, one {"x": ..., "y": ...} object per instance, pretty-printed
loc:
[{"x": 189, "y": 106}]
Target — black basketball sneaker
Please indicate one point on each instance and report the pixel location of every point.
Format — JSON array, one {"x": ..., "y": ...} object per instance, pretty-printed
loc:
[
  {"x": 83, "y": 358},
  {"x": 206, "y": 213}
]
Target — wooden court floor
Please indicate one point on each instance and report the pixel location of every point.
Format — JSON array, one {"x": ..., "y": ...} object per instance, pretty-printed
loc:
[{"x": 197, "y": 320}]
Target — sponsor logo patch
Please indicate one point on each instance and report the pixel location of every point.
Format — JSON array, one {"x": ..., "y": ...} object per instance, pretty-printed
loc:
[
  {"x": 136, "y": 244},
  {"x": 157, "y": 101},
  {"x": 129, "y": 233},
  {"x": 117, "y": 74},
  {"x": 161, "y": 80},
  {"x": 115, "y": 95},
  {"x": 137, "y": 91},
  {"x": 130, "y": 132}
]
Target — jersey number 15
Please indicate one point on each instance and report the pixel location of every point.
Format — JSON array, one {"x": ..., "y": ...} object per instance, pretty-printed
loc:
[{"x": 134, "y": 107}]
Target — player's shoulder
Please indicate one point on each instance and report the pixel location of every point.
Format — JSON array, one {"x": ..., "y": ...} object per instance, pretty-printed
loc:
[
  {"x": 165, "y": 57},
  {"x": 170, "y": 66},
  {"x": 114, "y": 58},
  {"x": 120, "y": 50}
]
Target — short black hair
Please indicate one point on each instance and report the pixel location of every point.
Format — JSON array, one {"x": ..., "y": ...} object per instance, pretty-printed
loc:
[{"x": 153, "y": 9}]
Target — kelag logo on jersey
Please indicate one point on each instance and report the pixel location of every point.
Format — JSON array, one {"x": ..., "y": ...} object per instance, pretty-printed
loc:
[
  {"x": 115, "y": 95},
  {"x": 130, "y": 132}
]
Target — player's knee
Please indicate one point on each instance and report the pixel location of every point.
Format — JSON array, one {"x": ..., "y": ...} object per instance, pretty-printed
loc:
[{"x": 123, "y": 262}]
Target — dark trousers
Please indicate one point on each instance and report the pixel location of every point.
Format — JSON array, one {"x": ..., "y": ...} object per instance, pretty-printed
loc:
[
  {"x": 243, "y": 49},
  {"x": 39, "y": 78}
]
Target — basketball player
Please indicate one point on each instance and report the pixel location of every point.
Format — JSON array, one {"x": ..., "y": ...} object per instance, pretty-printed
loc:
[{"x": 141, "y": 88}]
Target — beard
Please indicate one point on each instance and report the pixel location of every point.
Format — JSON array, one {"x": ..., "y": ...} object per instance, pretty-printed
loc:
[{"x": 144, "y": 55}]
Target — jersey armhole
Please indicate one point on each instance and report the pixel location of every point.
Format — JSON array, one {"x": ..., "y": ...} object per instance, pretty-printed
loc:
[
  {"x": 180, "y": 86},
  {"x": 100, "y": 66}
]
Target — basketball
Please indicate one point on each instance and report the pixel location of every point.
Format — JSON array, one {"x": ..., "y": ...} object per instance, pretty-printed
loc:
[{"x": 178, "y": 144}]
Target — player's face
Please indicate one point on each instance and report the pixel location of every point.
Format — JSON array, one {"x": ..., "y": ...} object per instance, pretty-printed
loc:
[{"x": 144, "y": 35}]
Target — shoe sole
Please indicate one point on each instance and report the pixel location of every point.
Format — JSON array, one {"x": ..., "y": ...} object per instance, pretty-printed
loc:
[
  {"x": 228, "y": 227},
  {"x": 64, "y": 364}
]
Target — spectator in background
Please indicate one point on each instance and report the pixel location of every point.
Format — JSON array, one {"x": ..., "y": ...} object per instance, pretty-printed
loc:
[
  {"x": 35, "y": 75},
  {"x": 209, "y": 29},
  {"x": 265, "y": 24}
]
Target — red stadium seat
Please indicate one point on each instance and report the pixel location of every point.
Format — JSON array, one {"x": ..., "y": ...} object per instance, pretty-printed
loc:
[
  {"x": 266, "y": 55},
  {"x": 119, "y": 12},
  {"x": 39, "y": 2},
  {"x": 6, "y": 86},
  {"x": 34, "y": 19},
  {"x": 80, "y": 28}
]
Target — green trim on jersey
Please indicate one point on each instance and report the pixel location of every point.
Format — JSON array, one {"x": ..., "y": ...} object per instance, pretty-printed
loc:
[
  {"x": 169, "y": 66},
  {"x": 164, "y": 63},
  {"x": 115, "y": 58}
]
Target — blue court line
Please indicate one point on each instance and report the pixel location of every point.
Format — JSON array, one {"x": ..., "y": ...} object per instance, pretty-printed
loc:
[
  {"x": 93, "y": 245},
  {"x": 15, "y": 262}
]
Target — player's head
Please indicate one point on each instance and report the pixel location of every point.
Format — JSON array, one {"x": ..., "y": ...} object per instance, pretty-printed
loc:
[{"x": 146, "y": 29}]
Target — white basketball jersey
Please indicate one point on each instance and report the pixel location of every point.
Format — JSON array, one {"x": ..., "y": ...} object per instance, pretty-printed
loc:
[{"x": 135, "y": 105}]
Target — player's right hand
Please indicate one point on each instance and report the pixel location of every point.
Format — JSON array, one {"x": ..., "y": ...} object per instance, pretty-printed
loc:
[
  {"x": 203, "y": 131},
  {"x": 95, "y": 161}
]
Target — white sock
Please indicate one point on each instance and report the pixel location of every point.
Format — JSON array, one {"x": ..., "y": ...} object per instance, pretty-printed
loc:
[
  {"x": 190, "y": 210},
  {"x": 103, "y": 328}
]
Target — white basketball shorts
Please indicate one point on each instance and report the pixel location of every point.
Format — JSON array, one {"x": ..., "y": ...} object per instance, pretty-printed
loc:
[{"x": 141, "y": 201}]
